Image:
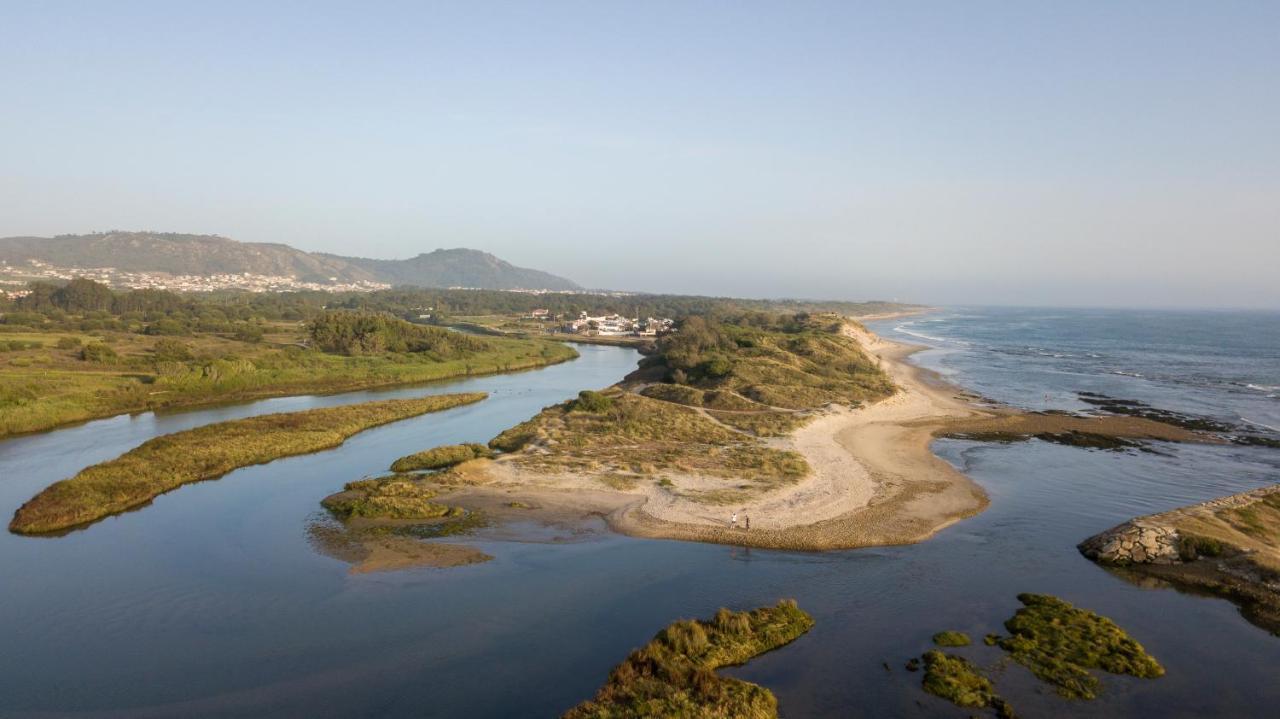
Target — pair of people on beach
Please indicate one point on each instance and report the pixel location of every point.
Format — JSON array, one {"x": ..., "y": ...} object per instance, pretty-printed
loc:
[{"x": 733, "y": 521}]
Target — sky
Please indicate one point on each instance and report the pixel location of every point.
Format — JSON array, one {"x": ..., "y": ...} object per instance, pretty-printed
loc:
[{"x": 1027, "y": 153}]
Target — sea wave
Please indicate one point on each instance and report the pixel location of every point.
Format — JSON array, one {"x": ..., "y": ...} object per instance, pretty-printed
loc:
[
  {"x": 1123, "y": 373},
  {"x": 1260, "y": 424},
  {"x": 904, "y": 330}
]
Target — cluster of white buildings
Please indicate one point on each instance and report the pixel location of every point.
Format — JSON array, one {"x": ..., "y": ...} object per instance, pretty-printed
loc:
[
  {"x": 112, "y": 277},
  {"x": 613, "y": 325}
]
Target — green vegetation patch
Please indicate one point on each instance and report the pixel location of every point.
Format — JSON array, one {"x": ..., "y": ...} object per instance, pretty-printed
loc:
[
  {"x": 387, "y": 498},
  {"x": 1060, "y": 643},
  {"x": 675, "y": 674},
  {"x": 951, "y": 639},
  {"x": 1191, "y": 547},
  {"x": 796, "y": 361},
  {"x": 957, "y": 680},
  {"x": 591, "y": 401},
  {"x": 208, "y": 452},
  {"x": 368, "y": 333},
  {"x": 441, "y": 457}
]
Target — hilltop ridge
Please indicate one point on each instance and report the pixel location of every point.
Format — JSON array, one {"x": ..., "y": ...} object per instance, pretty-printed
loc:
[{"x": 193, "y": 254}]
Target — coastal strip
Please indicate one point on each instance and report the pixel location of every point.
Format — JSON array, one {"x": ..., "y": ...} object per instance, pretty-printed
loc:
[
  {"x": 165, "y": 463},
  {"x": 797, "y": 467}
]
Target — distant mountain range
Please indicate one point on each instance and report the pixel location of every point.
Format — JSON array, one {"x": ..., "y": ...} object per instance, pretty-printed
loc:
[{"x": 205, "y": 255}]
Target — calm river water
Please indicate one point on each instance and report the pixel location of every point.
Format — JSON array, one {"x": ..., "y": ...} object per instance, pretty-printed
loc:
[{"x": 211, "y": 602}]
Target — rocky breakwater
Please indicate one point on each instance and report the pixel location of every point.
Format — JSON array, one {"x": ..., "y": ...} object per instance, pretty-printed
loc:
[
  {"x": 1229, "y": 546},
  {"x": 1137, "y": 541}
]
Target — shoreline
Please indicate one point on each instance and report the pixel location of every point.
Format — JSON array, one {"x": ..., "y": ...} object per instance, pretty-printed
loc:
[{"x": 875, "y": 480}]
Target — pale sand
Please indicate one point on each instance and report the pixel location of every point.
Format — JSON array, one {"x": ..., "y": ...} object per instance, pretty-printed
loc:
[{"x": 874, "y": 480}]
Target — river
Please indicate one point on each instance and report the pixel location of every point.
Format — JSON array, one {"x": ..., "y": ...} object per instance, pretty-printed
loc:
[{"x": 211, "y": 602}]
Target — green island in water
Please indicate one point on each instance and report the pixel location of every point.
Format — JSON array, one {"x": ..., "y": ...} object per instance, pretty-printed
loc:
[
  {"x": 1059, "y": 644},
  {"x": 208, "y": 452},
  {"x": 675, "y": 674}
]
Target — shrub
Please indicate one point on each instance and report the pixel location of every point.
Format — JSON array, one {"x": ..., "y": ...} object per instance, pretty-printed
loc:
[
  {"x": 591, "y": 401},
  {"x": 68, "y": 343},
  {"x": 1192, "y": 547},
  {"x": 166, "y": 327},
  {"x": 441, "y": 457},
  {"x": 248, "y": 333},
  {"x": 98, "y": 352},
  {"x": 951, "y": 639},
  {"x": 171, "y": 350}
]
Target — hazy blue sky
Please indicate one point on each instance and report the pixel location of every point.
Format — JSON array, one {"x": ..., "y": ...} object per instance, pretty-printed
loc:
[{"x": 1004, "y": 152}]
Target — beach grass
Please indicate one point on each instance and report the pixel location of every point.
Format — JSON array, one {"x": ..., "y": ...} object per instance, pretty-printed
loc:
[
  {"x": 393, "y": 497},
  {"x": 789, "y": 362},
  {"x": 621, "y": 433},
  {"x": 674, "y": 675},
  {"x": 165, "y": 463}
]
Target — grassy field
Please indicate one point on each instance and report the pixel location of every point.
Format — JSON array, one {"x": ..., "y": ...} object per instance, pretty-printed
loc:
[
  {"x": 675, "y": 674},
  {"x": 54, "y": 384},
  {"x": 208, "y": 452}
]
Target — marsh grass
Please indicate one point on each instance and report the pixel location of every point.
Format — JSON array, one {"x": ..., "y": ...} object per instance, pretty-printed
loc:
[
  {"x": 1060, "y": 643},
  {"x": 57, "y": 388},
  {"x": 951, "y": 639},
  {"x": 165, "y": 463},
  {"x": 674, "y": 675},
  {"x": 957, "y": 680},
  {"x": 387, "y": 498},
  {"x": 441, "y": 457}
]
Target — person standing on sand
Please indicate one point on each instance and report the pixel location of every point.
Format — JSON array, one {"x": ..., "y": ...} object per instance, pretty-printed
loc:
[
  {"x": 733, "y": 521},
  {"x": 746, "y": 522}
]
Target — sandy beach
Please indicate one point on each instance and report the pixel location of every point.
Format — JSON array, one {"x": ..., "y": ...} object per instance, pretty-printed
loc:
[{"x": 873, "y": 479}]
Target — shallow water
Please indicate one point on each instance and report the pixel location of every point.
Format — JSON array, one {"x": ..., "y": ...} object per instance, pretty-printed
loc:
[{"x": 211, "y": 602}]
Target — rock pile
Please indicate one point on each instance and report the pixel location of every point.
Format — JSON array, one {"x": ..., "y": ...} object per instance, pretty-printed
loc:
[{"x": 1138, "y": 541}]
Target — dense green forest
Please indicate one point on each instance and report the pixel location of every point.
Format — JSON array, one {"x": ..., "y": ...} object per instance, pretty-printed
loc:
[{"x": 366, "y": 333}]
